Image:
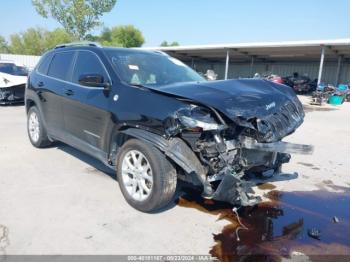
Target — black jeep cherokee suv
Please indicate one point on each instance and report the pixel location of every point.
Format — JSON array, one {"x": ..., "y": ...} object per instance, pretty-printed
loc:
[{"x": 155, "y": 120}]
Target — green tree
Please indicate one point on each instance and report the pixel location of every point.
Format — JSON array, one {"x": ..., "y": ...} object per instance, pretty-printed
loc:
[
  {"x": 29, "y": 42},
  {"x": 35, "y": 41},
  {"x": 78, "y": 17},
  {"x": 122, "y": 36},
  {"x": 106, "y": 38},
  {"x": 165, "y": 44},
  {"x": 56, "y": 37},
  {"x": 92, "y": 38},
  {"x": 3, "y": 45}
]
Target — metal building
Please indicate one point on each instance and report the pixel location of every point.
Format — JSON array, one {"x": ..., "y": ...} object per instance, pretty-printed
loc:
[
  {"x": 328, "y": 61},
  {"x": 28, "y": 60}
]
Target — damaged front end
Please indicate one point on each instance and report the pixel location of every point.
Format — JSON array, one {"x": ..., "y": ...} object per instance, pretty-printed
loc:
[
  {"x": 12, "y": 94},
  {"x": 229, "y": 150},
  {"x": 12, "y": 88}
]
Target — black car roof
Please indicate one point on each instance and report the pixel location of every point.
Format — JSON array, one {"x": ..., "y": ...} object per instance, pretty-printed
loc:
[{"x": 95, "y": 46}]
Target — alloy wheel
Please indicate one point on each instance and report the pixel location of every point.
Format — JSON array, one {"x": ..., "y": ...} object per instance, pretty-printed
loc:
[
  {"x": 34, "y": 127},
  {"x": 137, "y": 175}
]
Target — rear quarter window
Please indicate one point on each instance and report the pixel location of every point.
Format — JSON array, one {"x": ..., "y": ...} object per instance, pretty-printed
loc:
[
  {"x": 60, "y": 65},
  {"x": 44, "y": 64}
]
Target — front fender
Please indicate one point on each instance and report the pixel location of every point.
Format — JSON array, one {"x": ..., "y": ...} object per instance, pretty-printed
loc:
[{"x": 175, "y": 148}]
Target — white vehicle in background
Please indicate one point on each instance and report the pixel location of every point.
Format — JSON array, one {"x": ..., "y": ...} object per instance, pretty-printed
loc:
[{"x": 13, "y": 78}]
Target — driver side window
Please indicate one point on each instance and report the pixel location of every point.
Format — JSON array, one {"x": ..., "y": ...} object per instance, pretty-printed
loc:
[{"x": 88, "y": 63}]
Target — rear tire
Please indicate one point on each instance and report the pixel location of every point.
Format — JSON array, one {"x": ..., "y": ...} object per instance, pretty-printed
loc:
[
  {"x": 36, "y": 131},
  {"x": 146, "y": 178}
]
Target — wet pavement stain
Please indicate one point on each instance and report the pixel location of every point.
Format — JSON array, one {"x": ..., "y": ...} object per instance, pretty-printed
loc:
[
  {"x": 279, "y": 227},
  {"x": 306, "y": 164},
  {"x": 92, "y": 170},
  {"x": 327, "y": 182},
  {"x": 266, "y": 186},
  {"x": 4, "y": 240}
]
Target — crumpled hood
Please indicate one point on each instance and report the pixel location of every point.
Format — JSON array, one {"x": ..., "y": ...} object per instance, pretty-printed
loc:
[
  {"x": 7, "y": 80},
  {"x": 235, "y": 98}
]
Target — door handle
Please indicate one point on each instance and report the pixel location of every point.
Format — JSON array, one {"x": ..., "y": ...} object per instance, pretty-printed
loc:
[
  {"x": 41, "y": 84},
  {"x": 69, "y": 92}
]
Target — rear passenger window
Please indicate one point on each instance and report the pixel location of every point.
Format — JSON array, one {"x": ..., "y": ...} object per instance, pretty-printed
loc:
[
  {"x": 60, "y": 65},
  {"x": 88, "y": 63}
]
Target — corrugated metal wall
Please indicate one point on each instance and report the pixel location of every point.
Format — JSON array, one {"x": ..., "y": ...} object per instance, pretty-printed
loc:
[
  {"x": 282, "y": 69},
  {"x": 29, "y": 61}
]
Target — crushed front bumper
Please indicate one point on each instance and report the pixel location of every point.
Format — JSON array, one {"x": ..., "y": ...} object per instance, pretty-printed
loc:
[
  {"x": 234, "y": 187},
  {"x": 280, "y": 147},
  {"x": 13, "y": 94}
]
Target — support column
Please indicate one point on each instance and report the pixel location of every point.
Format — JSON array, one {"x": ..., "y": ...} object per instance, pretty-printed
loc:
[
  {"x": 251, "y": 66},
  {"x": 227, "y": 63},
  {"x": 340, "y": 58},
  {"x": 320, "y": 72},
  {"x": 192, "y": 63}
]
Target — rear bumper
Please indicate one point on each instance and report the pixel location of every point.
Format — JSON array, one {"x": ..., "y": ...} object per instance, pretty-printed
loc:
[
  {"x": 302, "y": 88},
  {"x": 13, "y": 94}
]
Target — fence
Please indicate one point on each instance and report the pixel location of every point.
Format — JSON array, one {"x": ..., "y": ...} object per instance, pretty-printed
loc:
[{"x": 29, "y": 61}]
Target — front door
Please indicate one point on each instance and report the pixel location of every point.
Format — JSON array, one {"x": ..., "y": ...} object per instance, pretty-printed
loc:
[{"x": 85, "y": 109}]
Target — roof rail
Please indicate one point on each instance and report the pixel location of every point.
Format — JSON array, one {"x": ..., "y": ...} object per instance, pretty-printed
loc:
[{"x": 84, "y": 43}]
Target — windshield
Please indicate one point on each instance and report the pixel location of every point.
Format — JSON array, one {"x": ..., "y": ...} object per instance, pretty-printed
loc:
[
  {"x": 150, "y": 69},
  {"x": 12, "y": 69}
]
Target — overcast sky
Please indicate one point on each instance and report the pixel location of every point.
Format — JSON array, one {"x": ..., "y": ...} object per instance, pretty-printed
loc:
[{"x": 207, "y": 21}]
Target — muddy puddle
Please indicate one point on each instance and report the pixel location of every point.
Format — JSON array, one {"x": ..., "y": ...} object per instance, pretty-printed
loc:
[
  {"x": 279, "y": 228},
  {"x": 266, "y": 186}
]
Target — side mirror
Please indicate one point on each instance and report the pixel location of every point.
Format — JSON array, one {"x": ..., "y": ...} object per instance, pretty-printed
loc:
[{"x": 94, "y": 80}]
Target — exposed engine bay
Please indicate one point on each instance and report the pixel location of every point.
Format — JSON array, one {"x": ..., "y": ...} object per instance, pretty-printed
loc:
[
  {"x": 232, "y": 151},
  {"x": 228, "y": 132},
  {"x": 12, "y": 94}
]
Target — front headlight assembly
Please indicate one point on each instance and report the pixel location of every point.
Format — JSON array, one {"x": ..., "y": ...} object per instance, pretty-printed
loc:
[{"x": 195, "y": 117}]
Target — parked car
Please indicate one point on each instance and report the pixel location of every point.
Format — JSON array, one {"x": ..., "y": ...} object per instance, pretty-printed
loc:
[
  {"x": 301, "y": 84},
  {"x": 155, "y": 121},
  {"x": 275, "y": 78},
  {"x": 13, "y": 78}
]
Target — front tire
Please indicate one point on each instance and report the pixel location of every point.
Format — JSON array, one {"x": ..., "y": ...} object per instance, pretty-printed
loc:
[
  {"x": 36, "y": 130},
  {"x": 146, "y": 178}
]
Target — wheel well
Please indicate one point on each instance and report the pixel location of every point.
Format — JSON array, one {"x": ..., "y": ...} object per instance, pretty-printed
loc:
[
  {"x": 118, "y": 140},
  {"x": 29, "y": 104}
]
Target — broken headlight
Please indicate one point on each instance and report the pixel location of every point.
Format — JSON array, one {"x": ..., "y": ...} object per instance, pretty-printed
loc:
[{"x": 196, "y": 117}]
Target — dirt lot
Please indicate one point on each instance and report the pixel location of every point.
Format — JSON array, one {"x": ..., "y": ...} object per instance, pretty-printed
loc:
[{"x": 61, "y": 201}]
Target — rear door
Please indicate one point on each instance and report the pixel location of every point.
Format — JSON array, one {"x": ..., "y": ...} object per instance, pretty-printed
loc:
[
  {"x": 85, "y": 108},
  {"x": 50, "y": 86}
]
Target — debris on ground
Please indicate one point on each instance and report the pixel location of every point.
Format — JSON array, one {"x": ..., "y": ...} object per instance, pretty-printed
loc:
[
  {"x": 241, "y": 225},
  {"x": 314, "y": 233},
  {"x": 4, "y": 240},
  {"x": 335, "y": 219}
]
